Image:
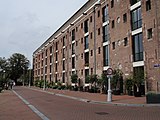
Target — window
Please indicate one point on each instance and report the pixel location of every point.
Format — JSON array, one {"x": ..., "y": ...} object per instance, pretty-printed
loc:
[
  {"x": 50, "y": 49},
  {"x": 91, "y": 35},
  {"x": 81, "y": 25},
  {"x": 81, "y": 55},
  {"x": 86, "y": 26},
  {"x": 42, "y": 63},
  {"x": 86, "y": 75},
  {"x": 73, "y": 48},
  {"x": 86, "y": 59},
  {"x": 56, "y": 56},
  {"x": 91, "y": 52},
  {"x": 45, "y": 70},
  {"x": 76, "y": 43},
  {"x": 105, "y": 13},
  {"x": 73, "y": 62},
  {"x": 81, "y": 40},
  {"x": 51, "y": 59},
  {"x": 149, "y": 33},
  {"x": 136, "y": 19},
  {"x": 137, "y": 47},
  {"x": 45, "y": 61},
  {"x": 63, "y": 54},
  {"x": 105, "y": 56},
  {"x": 112, "y": 3},
  {"x": 105, "y": 33},
  {"x": 73, "y": 34},
  {"x": 42, "y": 55},
  {"x": 86, "y": 46},
  {"x": 56, "y": 78},
  {"x": 46, "y": 52},
  {"x": 134, "y": 1},
  {"x": 64, "y": 41},
  {"x": 118, "y": 19},
  {"x": 56, "y": 67},
  {"x": 99, "y": 31},
  {"x": 148, "y": 5},
  {"x": 63, "y": 77},
  {"x": 82, "y": 72},
  {"x": 91, "y": 71},
  {"x": 50, "y": 68},
  {"x": 91, "y": 19},
  {"x": 98, "y": 13},
  {"x": 125, "y": 41},
  {"x": 99, "y": 50},
  {"x": 76, "y": 29},
  {"x": 113, "y": 45},
  {"x": 63, "y": 65},
  {"x": 112, "y": 23},
  {"x": 124, "y": 17},
  {"x": 56, "y": 45}
]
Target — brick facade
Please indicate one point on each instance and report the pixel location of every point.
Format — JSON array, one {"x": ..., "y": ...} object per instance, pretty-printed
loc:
[{"x": 71, "y": 48}]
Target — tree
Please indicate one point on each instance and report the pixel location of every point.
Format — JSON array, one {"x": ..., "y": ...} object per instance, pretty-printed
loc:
[
  {"x": 117, "y": 75},
  {"x": 138, "y": 79},
  {"x": 18, "y": 65},
  {"x": 129, "y": 85},
  {"x": 103, "y": 82},
  {"x": 3, "y": 74}
]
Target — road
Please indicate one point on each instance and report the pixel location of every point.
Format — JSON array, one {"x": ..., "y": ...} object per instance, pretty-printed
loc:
[{"x": 60, "y": 108}]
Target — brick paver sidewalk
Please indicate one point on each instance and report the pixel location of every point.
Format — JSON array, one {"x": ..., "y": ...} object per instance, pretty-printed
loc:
[
  {"x": 100, "y": 97},
  {"x": 12, "y": 108}
]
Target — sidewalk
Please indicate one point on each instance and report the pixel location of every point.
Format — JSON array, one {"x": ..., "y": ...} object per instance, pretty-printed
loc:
[
  {"x": 12, "y": 108},
  {"x": 100, "y": 98}
]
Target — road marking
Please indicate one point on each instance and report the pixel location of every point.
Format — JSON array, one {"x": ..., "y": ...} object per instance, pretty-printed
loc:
[{"x": 35, "y": 110}]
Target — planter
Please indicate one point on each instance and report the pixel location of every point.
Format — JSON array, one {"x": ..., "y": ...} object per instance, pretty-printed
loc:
[
  {"x": 1, "y": 89},
  {"x": 152, "y": 98},
  {"x": 130, "y": 92},
  {"x": 116, "y": 92}
]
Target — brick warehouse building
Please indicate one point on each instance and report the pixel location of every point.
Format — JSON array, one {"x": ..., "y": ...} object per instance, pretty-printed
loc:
[{"x": 122, "y": 34}]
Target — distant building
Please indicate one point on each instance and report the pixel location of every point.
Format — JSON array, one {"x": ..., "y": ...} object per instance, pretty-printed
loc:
[{"x": 122, "y": 34}]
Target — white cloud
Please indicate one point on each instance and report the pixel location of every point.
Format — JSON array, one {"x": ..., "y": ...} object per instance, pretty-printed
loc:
[{"x": 26, "y": 24}]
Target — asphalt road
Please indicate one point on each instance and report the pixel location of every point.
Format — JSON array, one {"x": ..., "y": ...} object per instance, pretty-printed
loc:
[{"x": 60, "y": 108}]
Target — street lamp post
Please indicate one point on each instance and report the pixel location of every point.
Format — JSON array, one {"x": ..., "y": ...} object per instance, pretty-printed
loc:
[{"x": 109, "y": 75}]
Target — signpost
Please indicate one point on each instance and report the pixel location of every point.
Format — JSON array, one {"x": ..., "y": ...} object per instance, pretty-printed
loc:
[{"x": 109, "y": 75}]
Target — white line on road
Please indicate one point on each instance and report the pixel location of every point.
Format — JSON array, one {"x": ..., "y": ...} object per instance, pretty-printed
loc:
[{"x": 41, "y": 115}]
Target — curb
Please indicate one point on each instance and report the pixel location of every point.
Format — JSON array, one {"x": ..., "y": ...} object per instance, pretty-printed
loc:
[{"x": 98, "y": 102}]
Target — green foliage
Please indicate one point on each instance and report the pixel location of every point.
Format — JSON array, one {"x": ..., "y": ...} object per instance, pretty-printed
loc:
[
  {"x": 93, "y": 79},
  {"x": 117, "y": 75},
  {"x": 151, "y": 93},
  {"x": 74, "y": 78},
  {"x": 129, "y": 84},
  {"x": 103, "y": 80},
  {"x": 18, "y": 65},
  {"x": 138, "y": 78},
  {"x": 87, "y": 79}
]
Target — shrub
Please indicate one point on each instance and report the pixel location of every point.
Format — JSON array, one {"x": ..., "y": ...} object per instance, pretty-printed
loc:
[{"x": 74, "y": 78}]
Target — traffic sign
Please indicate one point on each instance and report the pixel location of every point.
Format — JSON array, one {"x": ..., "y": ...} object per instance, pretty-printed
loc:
[{"x": 109, "y": 71}]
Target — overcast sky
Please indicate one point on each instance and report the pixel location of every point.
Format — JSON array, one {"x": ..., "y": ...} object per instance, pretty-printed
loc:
[{"x": 26, "y": 24}]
